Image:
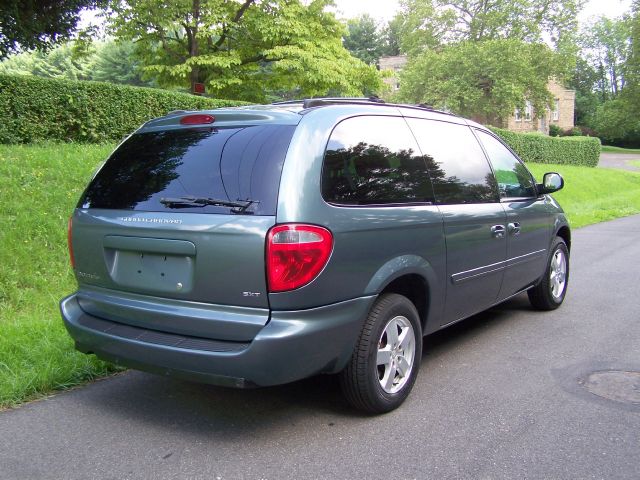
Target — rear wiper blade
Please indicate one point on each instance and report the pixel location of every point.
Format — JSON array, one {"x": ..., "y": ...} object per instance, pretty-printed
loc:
[{"x": 239, "y": 206}]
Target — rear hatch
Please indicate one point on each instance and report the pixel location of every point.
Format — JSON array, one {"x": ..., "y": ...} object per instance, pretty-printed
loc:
[{"x": 170, "y": 233}]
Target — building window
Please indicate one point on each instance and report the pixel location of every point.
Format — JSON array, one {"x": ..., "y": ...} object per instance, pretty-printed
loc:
[
  {"x": 528, "y": 111},
  {"x": 518, "y": 115},
  {"x": 555, "y": 115}
]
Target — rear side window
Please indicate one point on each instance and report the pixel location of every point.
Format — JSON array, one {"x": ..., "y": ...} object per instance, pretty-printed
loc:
[
  {"x": 240, "y": 163},
  {"x": 457, "y": 165},
  {"x": 373, "y": 160}
]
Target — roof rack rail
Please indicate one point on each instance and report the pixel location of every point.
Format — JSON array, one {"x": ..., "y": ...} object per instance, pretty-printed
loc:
[
  {"x": 372, "y": 100},
  {"x": 318, "y": 102},
  {"x": 287, "y": 102}
]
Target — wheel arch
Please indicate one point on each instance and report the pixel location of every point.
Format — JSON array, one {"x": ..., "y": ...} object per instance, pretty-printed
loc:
[
  {"x": 561, "y": 229},
  {"x": 565, "y": 233},
  {"x": 411, "y": 276}
]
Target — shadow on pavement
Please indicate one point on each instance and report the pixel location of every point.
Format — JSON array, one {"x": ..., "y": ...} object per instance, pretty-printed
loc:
[{"x": 172, "y": 404}]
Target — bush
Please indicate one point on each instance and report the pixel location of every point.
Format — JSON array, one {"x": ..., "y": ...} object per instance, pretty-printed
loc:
[
  {"x": 35, "y": 109},
  {"x": 554, "y": 130},
  {"x": 532, "y": 147},
  {"x": 571, "y": 132},
  {"x": 587, "y": 131}
]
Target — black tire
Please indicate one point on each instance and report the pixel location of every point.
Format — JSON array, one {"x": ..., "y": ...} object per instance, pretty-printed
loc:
[
  {"x": 548, "y": 295},
  {"x": 361, "y": 379}
]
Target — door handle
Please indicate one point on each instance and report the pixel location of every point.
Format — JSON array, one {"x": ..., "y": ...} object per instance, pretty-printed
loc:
[
  {"x": 514, "y": 228},
  {"x": 498, "y": 231}
]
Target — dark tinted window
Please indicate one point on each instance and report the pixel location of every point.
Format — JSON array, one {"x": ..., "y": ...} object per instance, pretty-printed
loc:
[
  {"x": 457, "y": 165},
  {"x": 514, "y": 180},
  {"x": 227, "y": 163},
  {"x": 374, "y": 160}
]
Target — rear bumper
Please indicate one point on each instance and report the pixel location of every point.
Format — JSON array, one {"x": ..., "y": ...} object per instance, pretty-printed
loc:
[{"x": 293, "y": 345}]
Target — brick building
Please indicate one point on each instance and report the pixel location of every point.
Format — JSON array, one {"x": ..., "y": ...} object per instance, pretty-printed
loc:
[
  {"x": 561, "y": 113},
  {"x": 395, "y": 64}
]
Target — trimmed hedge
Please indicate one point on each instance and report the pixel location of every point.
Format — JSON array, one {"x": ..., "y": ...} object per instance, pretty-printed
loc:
[
  {"x": 540, "y": 148},
  {"x": 33, "y": 109}
]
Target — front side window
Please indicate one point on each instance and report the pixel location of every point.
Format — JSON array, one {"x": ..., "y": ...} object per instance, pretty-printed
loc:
[
  {"x": 373, "y": 160},
  {"x": 514, "y": 180},
  {"x": 556, "y": 110},
  {"x": 457, "y": 165}
]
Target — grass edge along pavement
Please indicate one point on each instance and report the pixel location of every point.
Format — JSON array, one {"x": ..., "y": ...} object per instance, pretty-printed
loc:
[
  {"x": 39, "y": 186},
  {"x": 627, "y": 151}
]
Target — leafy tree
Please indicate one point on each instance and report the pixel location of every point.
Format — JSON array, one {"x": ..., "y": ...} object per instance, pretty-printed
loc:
[
  {"x": 483, "y": 58},
  {"x": 484, "y": 80},
  {"x": 364, "y": 39},
  {"x": 110, "y": 61},
  {"x": 418, "y": 26},
  {"x": 31, "y": 24},
  {"x": 618, "y": 120},
  {"x": 61, "y": 63},
  {"x": 431, "y": 22},
  {"x": 116, "y": 62},
  {"x": 615, "y": 122},
  {"x": 20, "y": 64},
  {"x": 584, "y": 81},
  {"x": 606, "y": 46},
  {"x": 391, "y": 37},
  {"x": 242, "y": 49},
  {"x": 633, "y": 63},
  {"x": 57, "y": 63},
  {"x": 605, "y": 79}
]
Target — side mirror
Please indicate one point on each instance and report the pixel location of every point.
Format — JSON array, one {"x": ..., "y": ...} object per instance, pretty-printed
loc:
[{"x": 551, "y": 182}]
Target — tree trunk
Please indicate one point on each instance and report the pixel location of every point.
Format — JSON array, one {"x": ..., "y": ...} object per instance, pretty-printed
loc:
[{"x": 194, "y": 51}]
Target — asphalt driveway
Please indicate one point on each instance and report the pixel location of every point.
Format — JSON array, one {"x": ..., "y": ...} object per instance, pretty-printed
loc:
[
  {"x": 619, "y": 160},
  {"x": 505, "y": 394}
]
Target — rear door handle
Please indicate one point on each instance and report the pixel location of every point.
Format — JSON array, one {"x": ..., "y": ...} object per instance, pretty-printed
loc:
[
  {"x": 498, "y": 231},
  {"x": 514, "y": 228}
]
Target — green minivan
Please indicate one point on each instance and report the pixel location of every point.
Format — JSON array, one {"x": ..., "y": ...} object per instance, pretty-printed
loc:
[{"x": 260, "y": 245}]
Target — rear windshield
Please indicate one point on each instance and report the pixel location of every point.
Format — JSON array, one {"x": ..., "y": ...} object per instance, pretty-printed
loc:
[{"x": 231, "y": 164}]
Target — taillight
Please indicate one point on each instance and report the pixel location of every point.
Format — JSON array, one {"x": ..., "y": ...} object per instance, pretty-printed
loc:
[
  {"x": 197, "y": 119},
  {"x": 296, "y": 254},
  {"x": 70, "y": 242}
]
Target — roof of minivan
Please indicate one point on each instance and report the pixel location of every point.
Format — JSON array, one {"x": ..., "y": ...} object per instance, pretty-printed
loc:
[{"x": 291, "y": 113}]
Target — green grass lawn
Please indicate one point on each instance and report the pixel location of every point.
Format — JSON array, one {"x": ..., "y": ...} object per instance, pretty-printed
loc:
[
  {"x": 610, "y": 149},
  {"x": 39, "y": 186},
  {"x": 635, "y": 163},
  {"x": 593, "y": 195}
]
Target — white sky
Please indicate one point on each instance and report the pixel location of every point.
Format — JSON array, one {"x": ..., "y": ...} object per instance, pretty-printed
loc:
[{"x": 384, "y": 10}]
